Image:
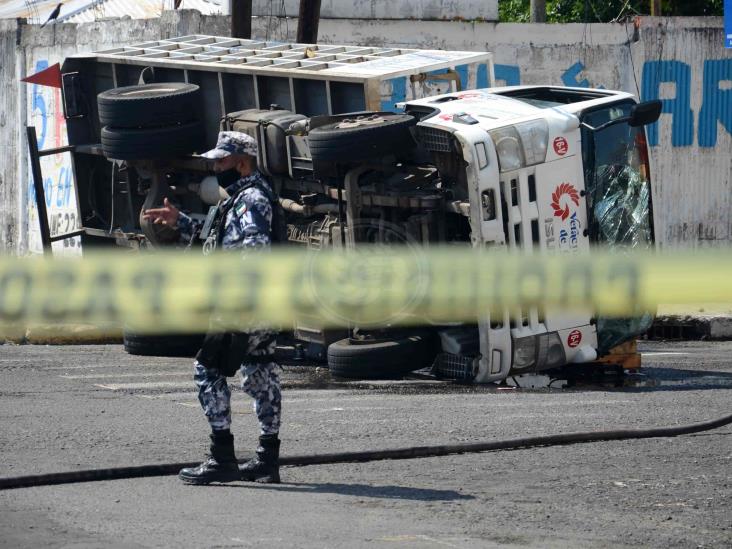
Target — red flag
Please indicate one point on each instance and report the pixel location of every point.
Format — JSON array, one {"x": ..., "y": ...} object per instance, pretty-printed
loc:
[{"x": 47, "y": 77}]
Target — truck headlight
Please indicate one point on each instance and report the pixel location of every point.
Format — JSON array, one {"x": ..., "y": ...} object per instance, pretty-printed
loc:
[
  {"x": 551, "y": 351},
  {"x": 508, "y": 148},
  {"x": 521, "y": 145},
  {"x": 524, "y": 353},
  {"x": 534, "y": 138},
  {"x": 540, "y": 352}
]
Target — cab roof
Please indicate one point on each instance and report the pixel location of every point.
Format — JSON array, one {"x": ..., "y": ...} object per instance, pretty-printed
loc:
[{"x": 496, "y": 107}]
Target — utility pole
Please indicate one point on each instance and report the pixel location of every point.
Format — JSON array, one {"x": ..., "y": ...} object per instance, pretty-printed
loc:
[
  {"x": 241, "y": 18},
  {"x": 307, "y": 24},
  {"x": 656, "y": 7},
  {"x": 538, "y": 11}
]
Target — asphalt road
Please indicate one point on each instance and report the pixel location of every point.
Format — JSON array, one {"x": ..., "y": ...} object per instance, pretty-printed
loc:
[{"x": 78, "y": 407}]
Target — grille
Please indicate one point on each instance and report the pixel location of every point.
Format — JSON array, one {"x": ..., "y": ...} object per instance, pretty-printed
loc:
[
  {"x": 450, "y": 366},
  {"x": 435, "y": 140}
]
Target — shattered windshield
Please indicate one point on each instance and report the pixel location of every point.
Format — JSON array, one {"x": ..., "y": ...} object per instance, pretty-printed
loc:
[
  {"x": 619, "y": 202},
  {"x": 617, "y": 182}
]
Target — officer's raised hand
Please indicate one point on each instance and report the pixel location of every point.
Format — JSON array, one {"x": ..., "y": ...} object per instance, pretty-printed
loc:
[{"x": 167, "y": 215}]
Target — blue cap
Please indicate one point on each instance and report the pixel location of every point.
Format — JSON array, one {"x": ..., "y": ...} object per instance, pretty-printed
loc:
[{"x": 232, "y": 143}]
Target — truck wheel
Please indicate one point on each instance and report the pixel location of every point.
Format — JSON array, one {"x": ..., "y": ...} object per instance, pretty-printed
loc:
[
  {"x": 149, "y": 105},
  {"x": 383, "y": 359},
  {"x": 361, "y": 137},
  {"x": 185, "y": 345},
  {"x": 149, "y": 143}
]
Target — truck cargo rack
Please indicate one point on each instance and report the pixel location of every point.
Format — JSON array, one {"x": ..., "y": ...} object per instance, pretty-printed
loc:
[{"x": 308, "y": 79}]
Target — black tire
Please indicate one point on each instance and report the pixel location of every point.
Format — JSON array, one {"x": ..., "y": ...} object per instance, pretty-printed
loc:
[
  {"x": 143, "y": 144},
  {"x": 330, "y": 142},
  {"x": 149, "y": 105},
  {"x": 184, "y": 345},
  {"x": 382, "y": 360}
]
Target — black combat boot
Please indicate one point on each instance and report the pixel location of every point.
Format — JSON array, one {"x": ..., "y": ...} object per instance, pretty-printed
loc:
[
  {"x": 220, "y": 465},
  {"x": 265, "y": 466}
]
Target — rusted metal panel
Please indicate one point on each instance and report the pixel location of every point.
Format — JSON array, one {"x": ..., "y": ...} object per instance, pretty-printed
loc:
[
  {"x": 137, "y": 9},
  {"x": 86, "y": 11}
]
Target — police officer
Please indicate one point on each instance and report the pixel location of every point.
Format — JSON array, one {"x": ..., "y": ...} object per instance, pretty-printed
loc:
[{"x": 243, "y": 222}]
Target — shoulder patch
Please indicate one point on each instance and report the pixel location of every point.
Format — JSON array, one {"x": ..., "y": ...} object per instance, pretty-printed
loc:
[{"x": 241, "y": 208}]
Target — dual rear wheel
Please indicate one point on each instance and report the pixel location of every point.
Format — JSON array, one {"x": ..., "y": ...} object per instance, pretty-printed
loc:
[{"x": 150, "y": 121}]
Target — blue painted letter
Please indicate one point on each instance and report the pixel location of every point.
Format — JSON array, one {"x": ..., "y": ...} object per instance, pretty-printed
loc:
[
  {"x": 39, "y": 104},
  {"x": 510, "y": 74},
  {"x": 570, "y": 76},
  {"x": 682, "y": 125},
  {"x": 717, "y": 103}
]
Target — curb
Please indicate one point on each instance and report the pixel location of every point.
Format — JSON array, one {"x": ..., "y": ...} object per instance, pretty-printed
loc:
[
  {"x": 691, "y": 328},
  {"x": 63, "y": 334}
]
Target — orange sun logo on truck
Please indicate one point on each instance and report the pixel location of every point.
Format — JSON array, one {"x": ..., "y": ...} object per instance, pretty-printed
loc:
[{"x": 572, "y": 194}]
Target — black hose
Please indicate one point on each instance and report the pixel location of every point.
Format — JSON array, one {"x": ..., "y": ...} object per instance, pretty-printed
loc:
[{"x": 164, "y": 469}]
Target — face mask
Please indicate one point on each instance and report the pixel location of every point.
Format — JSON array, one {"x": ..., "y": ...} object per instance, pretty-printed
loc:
[{"x": 227, "y": 178}]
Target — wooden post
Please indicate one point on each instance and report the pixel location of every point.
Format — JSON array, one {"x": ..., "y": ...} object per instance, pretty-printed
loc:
[
  {"x": 307, "y": 24},
  {"x": 656, "y": 7},
  {"x": 538, "y": 11},
  {"x": 241, "y": 18}
]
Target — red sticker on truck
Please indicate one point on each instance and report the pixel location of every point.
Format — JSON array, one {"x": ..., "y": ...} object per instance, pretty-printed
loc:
[
  {"x": 470, "y": 95},
  {"x": 561, "y": 146},
  {"x": 574, "y": 338},
  {"x": 572, "y": 196}
]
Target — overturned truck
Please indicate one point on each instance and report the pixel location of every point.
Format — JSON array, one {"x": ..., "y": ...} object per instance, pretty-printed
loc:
[{"x": 379, "y": 146}]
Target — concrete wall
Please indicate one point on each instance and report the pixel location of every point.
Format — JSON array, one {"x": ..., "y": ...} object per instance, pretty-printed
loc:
[
  {"x": 680, "y": 60},
  {"x": 9, "y": 123},
  {"x": 387, "y": 9}
]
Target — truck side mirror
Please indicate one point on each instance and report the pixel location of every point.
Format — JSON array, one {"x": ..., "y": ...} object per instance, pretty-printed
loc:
[{"x": 645, "y": 113}]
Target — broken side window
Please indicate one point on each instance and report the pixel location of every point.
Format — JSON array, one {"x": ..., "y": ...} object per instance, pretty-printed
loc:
[{"x": 619, "y": 203}]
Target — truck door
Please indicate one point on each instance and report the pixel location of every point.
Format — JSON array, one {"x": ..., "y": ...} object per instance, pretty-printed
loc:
[{"x": 619, "y": 202}]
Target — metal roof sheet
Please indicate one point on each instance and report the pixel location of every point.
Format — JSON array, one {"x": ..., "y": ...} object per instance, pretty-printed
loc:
[
  {"x": 85, "y": 11},
  {"x": 138, "y": 9}
]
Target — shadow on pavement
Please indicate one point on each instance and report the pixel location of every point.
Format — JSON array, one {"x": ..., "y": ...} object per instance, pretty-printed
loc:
[{"x": 361, "y": 490}]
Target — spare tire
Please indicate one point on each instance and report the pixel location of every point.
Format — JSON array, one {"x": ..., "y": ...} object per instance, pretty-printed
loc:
[
  {"x": 149, "y": 105},
  {"x": 362, "y": 137},
  {"x": 185, "y": 345},
  {"x": 149, "y": 143},
  {"x": 384, "y": 359}
]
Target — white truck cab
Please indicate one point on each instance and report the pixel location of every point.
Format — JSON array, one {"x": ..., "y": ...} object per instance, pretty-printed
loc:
[{"x": 548, "y": 171}]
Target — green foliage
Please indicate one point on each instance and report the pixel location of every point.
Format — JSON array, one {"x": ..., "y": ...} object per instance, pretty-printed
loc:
[
  {"x": 595, "y": 11},
  {"x": 513, "y": 11}
]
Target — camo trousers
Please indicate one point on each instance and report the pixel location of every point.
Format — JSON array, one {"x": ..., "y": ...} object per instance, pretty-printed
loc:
[{"x": 259, "y": 381}]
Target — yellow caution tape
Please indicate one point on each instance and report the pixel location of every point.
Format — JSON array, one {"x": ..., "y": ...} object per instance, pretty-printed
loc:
[{"x": 175, "y": 291}]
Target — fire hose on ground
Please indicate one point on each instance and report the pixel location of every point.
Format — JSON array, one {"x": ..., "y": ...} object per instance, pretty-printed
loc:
[{"x": 165, "y": 469}]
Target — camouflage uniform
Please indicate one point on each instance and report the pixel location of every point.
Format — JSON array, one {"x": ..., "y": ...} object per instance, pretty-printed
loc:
[{"x": 247, "y": 226}]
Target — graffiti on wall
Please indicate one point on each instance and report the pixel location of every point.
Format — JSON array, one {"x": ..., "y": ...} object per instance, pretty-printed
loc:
[
  {"x": 716, "y": 106},
  {"x": 58, "y": 185},
  {"x": 689, "y": 124},
  {"x": 687, "y": 128}
]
